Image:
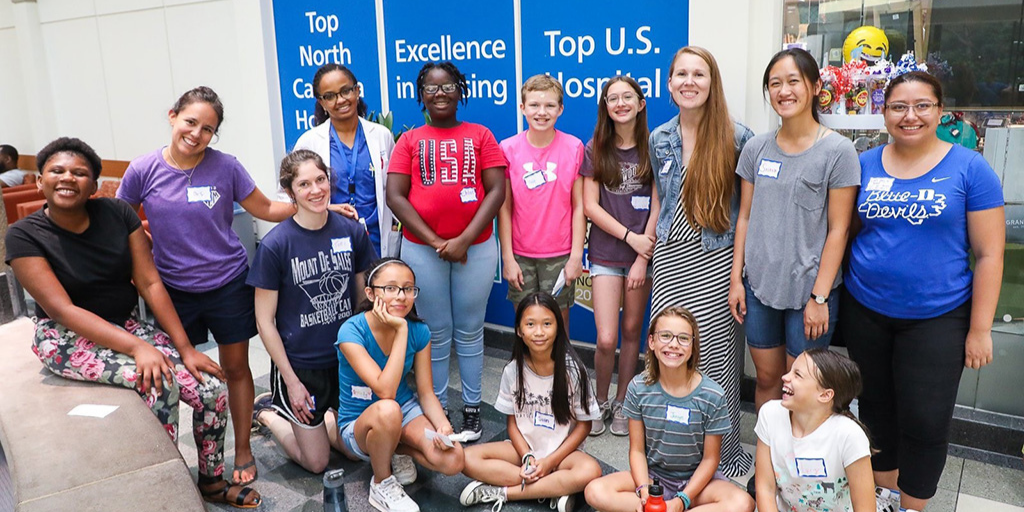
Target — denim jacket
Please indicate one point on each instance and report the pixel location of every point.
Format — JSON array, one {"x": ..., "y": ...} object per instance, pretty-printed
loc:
[{"x": 666, "y": 149}]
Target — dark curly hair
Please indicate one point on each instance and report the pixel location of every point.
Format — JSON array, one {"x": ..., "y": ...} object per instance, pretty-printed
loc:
[
  {"x": 75, "y": 147},
  {"x": 319, "y": 113},
  {"x": 447, "y": 67},
  {"x": 201, "y": 94}
]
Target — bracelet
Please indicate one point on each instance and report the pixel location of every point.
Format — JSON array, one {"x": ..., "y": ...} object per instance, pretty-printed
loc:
[
  {"x": 686, "y": 499},
  {"x": 625, "y": 236},
  {"x": 639, "y": 488},
  {"x": 528, "y": 456}
]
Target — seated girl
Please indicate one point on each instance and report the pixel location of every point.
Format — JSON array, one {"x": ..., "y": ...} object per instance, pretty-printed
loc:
[
  {"x": 546, "y": 394},
  {"x": 379, "y": 415},
  {"x": 86, "y": 261},
  {"x": 308, "y": 275},
  {"x": 677, "y": 418}
]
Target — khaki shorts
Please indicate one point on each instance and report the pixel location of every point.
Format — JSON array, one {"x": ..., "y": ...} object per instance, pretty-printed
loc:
[{"x": 540, "y": 274}]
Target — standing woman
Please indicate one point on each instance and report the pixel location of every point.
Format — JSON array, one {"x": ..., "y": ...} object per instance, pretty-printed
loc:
[
  {"x": 693, "y": 157},
  {"x": 447, "y": 207},
  {"x": 799, "y": 184},
  {"x": 187, "y": 190},
  {"x": 357, "y": 151},
  {"x": 913, "y": 312}
]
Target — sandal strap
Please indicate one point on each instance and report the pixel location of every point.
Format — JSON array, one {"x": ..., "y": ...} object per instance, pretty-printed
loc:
[{"x": 244, "y": 493}]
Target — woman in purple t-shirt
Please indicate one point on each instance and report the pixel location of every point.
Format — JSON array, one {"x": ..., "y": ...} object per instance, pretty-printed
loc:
[{"x": 187, "y": 190}]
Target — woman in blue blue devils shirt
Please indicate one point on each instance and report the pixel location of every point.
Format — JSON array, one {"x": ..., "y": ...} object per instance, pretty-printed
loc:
[{"x": 913, "y": 314}]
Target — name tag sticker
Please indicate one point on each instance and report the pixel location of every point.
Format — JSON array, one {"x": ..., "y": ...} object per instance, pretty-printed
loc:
[
  {"x": 641, "y": 202},
  {"x": 769, "y": 168},
  {"x": 677, "y": 414},
  {"x": 545, "y": 420},
  {"x": 362, "y": 393},
  {"x": 665, "y": 168},
  {"x": 879, "y": 184},
  {"x": 811, "y": 468},
  {"x": 468, "y": 195},
  {"x": 198, "y": 194},
  {"x": 343, "y": 244},
  {"x": 534, "y": 179}
]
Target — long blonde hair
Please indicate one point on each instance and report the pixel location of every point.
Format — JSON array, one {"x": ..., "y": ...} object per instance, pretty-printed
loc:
[{"x": 711, "y": 173}]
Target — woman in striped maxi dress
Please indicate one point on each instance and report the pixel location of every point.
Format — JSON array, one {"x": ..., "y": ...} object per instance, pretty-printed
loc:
[{"x": 693, "y": 157}]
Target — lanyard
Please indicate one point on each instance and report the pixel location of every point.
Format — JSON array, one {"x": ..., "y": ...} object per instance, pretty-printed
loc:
[{"x": 357, "y": 143}]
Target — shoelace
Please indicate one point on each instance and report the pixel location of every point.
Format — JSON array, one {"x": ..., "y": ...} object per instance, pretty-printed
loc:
[
  {"x": 493, "y": 494},
  {"x": 393, "y": 491},
  {"x": 471, "y": 422}
]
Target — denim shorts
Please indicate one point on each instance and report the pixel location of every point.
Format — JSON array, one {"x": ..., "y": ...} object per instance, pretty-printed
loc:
[
  {"x": 767, "y": 327},
  {"x": 597, "y": 269},
  {"x": 410, "y": 411}
]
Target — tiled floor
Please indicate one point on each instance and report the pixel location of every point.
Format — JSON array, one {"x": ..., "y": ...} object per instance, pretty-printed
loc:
[{"x": 966, "y": 485}]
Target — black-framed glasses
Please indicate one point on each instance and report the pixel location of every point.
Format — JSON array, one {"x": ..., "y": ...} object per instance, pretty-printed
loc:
[
  {"x": 447, "y": 88},
  {"x": 666, "y": 337},
  {"x": 391, "y": 290},
  {"x": 920, "y": 108},
  {"x": 344, "y": 92}
]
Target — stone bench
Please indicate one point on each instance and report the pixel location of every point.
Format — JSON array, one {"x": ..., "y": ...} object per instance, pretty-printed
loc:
[{"x": 124, "y": 461}]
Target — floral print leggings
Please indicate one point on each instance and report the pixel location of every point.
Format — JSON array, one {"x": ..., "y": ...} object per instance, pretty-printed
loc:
[{"x": 73, "y": 357}]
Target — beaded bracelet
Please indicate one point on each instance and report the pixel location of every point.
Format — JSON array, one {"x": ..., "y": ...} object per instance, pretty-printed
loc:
[{"x": 686, "y": 499}]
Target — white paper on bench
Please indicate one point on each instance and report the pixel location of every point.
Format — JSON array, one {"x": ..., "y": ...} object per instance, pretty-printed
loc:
[{"x": 93, "y": 410}]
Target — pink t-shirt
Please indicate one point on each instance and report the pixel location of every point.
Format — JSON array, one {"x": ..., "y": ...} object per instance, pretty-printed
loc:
[
  {"x": 542, "y": 180},
  {"x": 444, "y": 165}
]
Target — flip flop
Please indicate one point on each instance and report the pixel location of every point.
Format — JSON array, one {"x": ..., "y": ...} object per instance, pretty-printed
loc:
[
  {"x": 262, "y": 403},
  {"x": 243, "y": 467},
  {"x": 221, "y": 496}
]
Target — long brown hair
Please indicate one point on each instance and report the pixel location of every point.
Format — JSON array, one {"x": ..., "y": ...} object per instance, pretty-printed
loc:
[
  {"x": 604, "y": 158},
  {"x": 652, "y": 373},
  {"x": 711, "y": 173}
]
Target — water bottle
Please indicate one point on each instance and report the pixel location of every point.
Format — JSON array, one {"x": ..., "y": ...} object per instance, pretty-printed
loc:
[
  {"x": 655, "y": 500},
  {"x": 334, "y": 491}
]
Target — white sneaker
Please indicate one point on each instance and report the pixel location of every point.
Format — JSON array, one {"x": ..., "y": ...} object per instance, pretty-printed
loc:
[
  {"x": 389, "y": 496},
  {"x": 404, "y": 469},
  {"x": 564, "y": 503},
  {"x": 479, "y": 492}
]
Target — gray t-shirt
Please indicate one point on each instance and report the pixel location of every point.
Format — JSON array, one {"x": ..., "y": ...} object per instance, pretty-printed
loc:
[
  {"x": 676, "y": 426},
  {"x": 13, "y": 177},
  {"x": 789, "y": 214}
]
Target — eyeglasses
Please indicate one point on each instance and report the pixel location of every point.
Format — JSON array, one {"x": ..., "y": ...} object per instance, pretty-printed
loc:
[
  {"x": 921, "y": 108},
  {"x": 447, "y": 88},
  {"x": 666, "y": 337},
  {"x": 625, "y": 97},
  {"x": 393, "y": 291},
  {"x": 344, "y": 92}
]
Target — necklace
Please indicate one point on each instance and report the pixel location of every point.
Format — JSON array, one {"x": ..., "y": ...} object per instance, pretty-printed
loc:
[{"x": 188, "y": 175}]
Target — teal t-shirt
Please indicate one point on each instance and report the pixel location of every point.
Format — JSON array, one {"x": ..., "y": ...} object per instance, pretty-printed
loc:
[{"x": 355, "y": 395}]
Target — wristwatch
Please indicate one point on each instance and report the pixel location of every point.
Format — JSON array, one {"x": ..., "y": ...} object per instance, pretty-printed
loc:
[{"x": 820, "y": 299}]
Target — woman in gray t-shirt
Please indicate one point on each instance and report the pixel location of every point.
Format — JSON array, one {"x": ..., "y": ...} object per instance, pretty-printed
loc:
[{"x": 797, "y": 194}]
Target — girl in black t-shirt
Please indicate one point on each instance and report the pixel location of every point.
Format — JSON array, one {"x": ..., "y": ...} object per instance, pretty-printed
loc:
[{"x": 84, "y": 260}]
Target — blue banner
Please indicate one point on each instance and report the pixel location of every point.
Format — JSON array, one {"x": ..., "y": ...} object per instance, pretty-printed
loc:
[{"x": 311, "y": 33}]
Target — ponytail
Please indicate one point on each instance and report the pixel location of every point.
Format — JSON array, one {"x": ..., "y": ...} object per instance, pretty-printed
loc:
[{"x": 840, "y": 374}]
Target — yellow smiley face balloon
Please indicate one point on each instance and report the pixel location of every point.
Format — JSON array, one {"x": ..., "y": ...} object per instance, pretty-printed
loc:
[{"x": 865, "y": 43}]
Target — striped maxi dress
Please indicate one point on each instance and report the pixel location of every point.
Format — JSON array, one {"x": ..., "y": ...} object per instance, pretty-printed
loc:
[{"x": 684, "y": 275}]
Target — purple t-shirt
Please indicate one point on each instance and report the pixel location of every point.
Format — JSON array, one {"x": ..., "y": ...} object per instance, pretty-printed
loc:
[
  {"x": 630, "y": 204},
  {"x": 194, "y": 247}
]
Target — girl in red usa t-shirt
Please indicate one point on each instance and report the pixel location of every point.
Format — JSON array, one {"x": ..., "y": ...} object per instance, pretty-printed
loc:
[{"x": 446, "y": 183}]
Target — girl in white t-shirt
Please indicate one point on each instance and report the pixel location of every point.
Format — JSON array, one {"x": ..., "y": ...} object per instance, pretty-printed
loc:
[
  {"x": 546, "y": 394},
  {"x": 812, "y": 453}
]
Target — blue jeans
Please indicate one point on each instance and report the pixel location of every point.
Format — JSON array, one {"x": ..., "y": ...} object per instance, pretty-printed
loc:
[
  {"x": 767, "y": 327},
  {"x": 453, "y": 302}
]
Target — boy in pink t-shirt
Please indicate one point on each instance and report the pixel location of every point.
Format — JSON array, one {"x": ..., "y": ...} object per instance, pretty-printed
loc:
[{"x": 541, "y": 224}]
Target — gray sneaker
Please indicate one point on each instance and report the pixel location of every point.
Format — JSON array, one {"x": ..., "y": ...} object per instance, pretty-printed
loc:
[
  {"x": 597, "y": 426},
  {"x": 479, "y": 492},
  {"x": 620, "y": 423},
  {"x": 404, "y": 469}
]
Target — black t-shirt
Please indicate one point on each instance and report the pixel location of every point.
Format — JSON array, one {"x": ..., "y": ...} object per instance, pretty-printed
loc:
[{"x": 94, "y": 267}]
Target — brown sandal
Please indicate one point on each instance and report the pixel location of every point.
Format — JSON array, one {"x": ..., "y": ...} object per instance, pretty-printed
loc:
[{"x": 222, "y": 495}]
